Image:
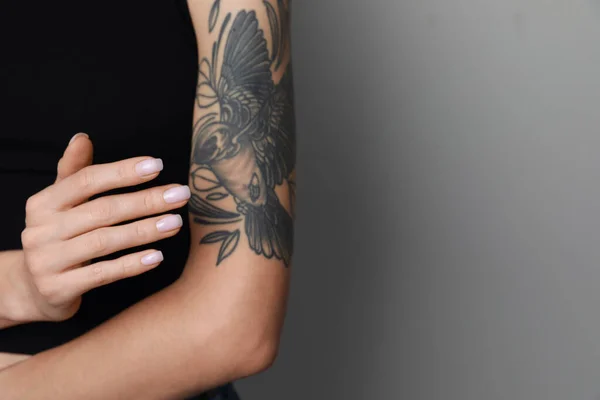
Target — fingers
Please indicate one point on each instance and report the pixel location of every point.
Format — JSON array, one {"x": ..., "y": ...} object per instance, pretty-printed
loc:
[
  {"x": 93, "y": 180},
  {"x": 106, "y": 241},
  {"x": 111, "y": 210},
  {"x": 78, "y": 154},
  {"x": 81, "y": 280}
]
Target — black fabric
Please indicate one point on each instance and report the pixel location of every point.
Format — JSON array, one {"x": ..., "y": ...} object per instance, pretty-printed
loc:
[{"x": 226, "y": 392}]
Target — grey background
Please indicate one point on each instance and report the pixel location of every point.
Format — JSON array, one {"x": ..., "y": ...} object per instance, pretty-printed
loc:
[{"x": 448, "y": 236}]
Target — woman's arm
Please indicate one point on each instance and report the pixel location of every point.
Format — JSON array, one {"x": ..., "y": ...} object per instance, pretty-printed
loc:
[
  {"x": 10, "y": 287},
  {"x": 222, "y": 319}
]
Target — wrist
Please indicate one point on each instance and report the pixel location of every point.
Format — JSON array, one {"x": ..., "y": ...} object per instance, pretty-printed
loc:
[{"x": 17, "y": 305}]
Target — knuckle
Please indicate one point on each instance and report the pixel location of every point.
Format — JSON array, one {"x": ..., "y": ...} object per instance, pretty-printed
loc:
[
  {"x": 122, "y": 170},
  {"x": 140, "y": 231},
  {"x": 28, "y": 238},
  {"x": 47, "y": 288},
  {"x": 126, "y": 266},
  {"x": 32, "y": 203},
  {"x": 102, "y": 210},
  {"x": 86, "y": 178},
  {"x": 35, "y": 263},
  {"x": 98, "y": 241},
  {"x": 98, "y": 275},
  {"x": 149, "y": 201}
]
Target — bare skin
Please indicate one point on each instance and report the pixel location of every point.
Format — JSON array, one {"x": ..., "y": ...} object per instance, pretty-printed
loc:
[{"x": 8, "y": 359}]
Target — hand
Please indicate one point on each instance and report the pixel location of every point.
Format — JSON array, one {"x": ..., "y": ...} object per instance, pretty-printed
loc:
[{"x": 64, "y": 231}]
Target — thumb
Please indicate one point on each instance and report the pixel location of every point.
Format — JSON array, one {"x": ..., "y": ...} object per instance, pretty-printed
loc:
[{"x": 78, "y": 155}]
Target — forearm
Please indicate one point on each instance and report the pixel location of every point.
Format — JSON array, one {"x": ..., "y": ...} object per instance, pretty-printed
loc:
[{"x": 190, "y": 337}]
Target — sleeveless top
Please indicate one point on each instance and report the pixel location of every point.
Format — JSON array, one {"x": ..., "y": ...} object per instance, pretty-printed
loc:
[{"x": 125, "y": 73}]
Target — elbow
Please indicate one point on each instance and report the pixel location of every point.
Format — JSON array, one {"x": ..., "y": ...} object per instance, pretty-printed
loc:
[
  {"x": 236, "y": 344},
  {"x": 254, "y": 352},
  {"x": 246, "y": 346},
  {"x": 238, "y": 335},
  {"x": 231, "y": 351}
]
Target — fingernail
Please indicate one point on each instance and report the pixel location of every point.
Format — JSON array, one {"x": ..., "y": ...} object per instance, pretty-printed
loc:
[
  {"x": 175, "y": 195},
  {"x": 149, "y": 167},
  {"x": 153, "y": 258},
  {"x": 169, "y": 223},
  {"x": 78, "y": 135}
]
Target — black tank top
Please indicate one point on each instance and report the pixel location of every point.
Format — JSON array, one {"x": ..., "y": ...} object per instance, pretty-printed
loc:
[{"x": 125, "y": 73}]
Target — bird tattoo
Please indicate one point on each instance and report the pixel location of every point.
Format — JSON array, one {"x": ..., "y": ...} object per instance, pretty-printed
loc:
[{"x": 247, "y": 140}]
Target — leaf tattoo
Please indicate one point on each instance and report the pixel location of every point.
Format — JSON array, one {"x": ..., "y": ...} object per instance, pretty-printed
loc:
[
  {"x": 215, "y": 237},
  {"x": 216, "y": 196},
  {"x": 214, "y": 15},
  {"x": 229, "y": 241},
  {"x": 228, "y": 246},
  {"x": 273, "y": 23}
]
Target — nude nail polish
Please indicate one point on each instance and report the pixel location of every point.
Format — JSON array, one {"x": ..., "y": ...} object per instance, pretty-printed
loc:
[
  {"x": 169, "y": 223},
  {"x": 177, "y": 194},
  {"x": 153, "y": 258},
  {"x": 149, "y": 167}
]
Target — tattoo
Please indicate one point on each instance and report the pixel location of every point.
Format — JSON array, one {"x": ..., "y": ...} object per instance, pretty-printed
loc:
[
  {"x": 244, "y": 142},
  {"x": 214, "y": 15}
]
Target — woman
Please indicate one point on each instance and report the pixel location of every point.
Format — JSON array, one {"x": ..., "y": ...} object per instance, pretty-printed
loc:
[{"x": 92, "y": 305}]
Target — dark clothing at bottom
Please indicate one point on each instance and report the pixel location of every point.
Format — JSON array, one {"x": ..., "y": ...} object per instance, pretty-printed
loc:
[{"x": 226, "y": 392}]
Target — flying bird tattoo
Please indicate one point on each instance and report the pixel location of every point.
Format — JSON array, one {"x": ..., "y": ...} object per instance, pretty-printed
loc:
[{"x": 244, "y": 142}]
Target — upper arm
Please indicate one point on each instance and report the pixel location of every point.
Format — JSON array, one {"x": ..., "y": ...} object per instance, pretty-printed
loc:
[
  {"x": 243, "y": 144},
  {"x": 242, "y": 167}
]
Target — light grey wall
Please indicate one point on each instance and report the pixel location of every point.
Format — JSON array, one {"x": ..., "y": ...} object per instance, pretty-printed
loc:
[{"x": 449, "y": 204}]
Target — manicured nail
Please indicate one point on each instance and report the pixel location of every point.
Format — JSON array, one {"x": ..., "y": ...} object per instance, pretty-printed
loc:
[
  {"x": 175, "y": 195},
  {"x": 153, "y": 258},
  {"x": 78, "y": 135},
  {"x": 149, "y": 167},
  {"x": 169, "y": 223}
]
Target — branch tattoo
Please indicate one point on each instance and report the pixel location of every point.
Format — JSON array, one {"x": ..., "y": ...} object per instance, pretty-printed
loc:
[{"x": 244, "y": 141}]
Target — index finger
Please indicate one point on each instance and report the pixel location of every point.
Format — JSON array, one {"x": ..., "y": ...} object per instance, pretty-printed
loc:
[{"x": 98, "y": 178}]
